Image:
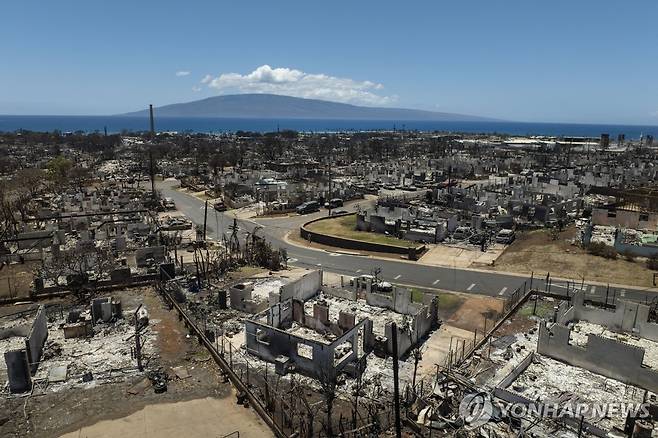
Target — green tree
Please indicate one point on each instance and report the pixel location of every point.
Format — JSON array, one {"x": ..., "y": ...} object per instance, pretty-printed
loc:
[{"x": 58, "y": 169}]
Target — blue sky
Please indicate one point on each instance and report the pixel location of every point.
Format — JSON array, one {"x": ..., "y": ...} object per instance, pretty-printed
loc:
[{"x": 563, "y": 61}]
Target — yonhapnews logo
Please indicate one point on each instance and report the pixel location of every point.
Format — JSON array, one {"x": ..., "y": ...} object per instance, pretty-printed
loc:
[{"x": 477, "y": 409}]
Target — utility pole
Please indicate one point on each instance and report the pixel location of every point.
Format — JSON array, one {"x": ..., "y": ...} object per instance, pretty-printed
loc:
[
  {"x": 152, "y": 171},
  {"x": 138, "y": 341},
  {"x": 396, "y": 383},
  {"x": 205, "y": 220},
  {"x": 151, "y": 166},
  {"x": 330, "y": 194}
]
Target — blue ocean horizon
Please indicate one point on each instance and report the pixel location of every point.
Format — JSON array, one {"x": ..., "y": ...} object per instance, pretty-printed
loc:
[{"x": 118, "y": 124}]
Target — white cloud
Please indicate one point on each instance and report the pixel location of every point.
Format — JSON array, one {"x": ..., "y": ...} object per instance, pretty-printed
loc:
[
  {"x": 292, "y": 82},
  {"x": 183, "y": 73},
  {"x": 196, "y": 89}
]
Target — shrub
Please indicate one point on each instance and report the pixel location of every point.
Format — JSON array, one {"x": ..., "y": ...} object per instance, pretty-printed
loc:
[
  {"x": 602, "y": 250},
  {"x": 629, "y": 256},
  {"x": 652, "y": 263}
]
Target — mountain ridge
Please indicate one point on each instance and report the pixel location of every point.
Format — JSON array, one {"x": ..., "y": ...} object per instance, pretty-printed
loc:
[{"x": 273, "y": 106}]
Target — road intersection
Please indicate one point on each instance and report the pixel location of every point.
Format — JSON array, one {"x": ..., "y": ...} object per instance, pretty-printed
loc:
[{"x": 403, "y": 272}]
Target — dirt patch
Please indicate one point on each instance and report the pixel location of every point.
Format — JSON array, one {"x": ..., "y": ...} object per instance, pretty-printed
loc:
[
  {"x": 246, "y": 272},
  {"x": 471, "y": 314},
  {"x": 460, "y": 257},
  {"x": 437, "y": 347},
  {"x": 17, "y": 279},
  {"x": 537, "y": 252},
  {"x": 49, "y": 413},
  {"x": 194, "y": 418},
  {"x": 172, "y": 343}
]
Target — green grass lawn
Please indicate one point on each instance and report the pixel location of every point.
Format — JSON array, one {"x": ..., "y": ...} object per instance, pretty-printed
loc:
[
  {"x": 544, "y": 308},
  {"x": 345, "y": 226}
]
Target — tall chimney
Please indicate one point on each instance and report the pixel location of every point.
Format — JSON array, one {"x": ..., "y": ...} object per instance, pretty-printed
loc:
[{"x": 152, "y": 124}]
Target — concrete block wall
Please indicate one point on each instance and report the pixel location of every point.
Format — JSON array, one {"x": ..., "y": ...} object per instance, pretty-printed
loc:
[
  {"x": 36, "y": 339},
  {"x": 35, "y": 239},
  {"x": 281, "y": 314},
  {"x": 151, "y": 252},
  {"x": 319, "y": 321},
  {"x": 23, "y": 363},
  {"x": 424, "y": 317},
  {"x": 610, "y": 358},
  {"x": 241, "y": 298},
  {"x": 269, "y": 343},
  {"x": 421, "y": 324},
  {"x": 18, "y": 371},
  {"x": 517, "y": 371},
  {"x": 361, "y": 223},
  {"x": 627, "y": 317},
  {"x": 303, "y": 288},
  {"x": 644, "y": 328},
  {"x": 346, "y": 294},
  {"x": 405, "y": 339},
  {"x": 272, "y": 344},
  {"x": 426, "y": 320},
  {"x": 398, "y": 301}
]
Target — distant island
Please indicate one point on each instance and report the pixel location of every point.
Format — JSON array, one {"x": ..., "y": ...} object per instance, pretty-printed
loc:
[{"x": 272, "y": 106}]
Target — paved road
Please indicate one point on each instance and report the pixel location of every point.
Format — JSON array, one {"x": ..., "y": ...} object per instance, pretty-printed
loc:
[{"x": 399, "y": 272}]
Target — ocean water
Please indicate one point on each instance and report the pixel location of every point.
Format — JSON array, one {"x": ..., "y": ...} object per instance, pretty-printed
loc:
[{"x": 115, "y": 124}]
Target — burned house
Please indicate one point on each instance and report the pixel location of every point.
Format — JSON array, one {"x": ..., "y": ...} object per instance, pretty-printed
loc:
[
  {"x": 324, "y": 331},
  {"x": 23, "y": 341}
]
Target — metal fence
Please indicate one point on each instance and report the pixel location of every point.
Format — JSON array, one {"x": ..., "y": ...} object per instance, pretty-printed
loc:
[
  {"x": 462, "y": 349},
  {"x": 290, "y": 405}
]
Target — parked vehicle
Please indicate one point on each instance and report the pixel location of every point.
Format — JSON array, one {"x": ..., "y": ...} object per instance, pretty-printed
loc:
[
  {"x": 337, "y": 212},
  {"x": 381, "y": 286},
  {"x": 220, "y": 206},
  {"x": 461, "y": 233},
  {"x": 505, "y": 236},
  {"x": 308, "y": 207},
  {"x": 477, "y": 238},
  {"x": 169, "y": 204},
  {"x": 334, "y": 203}
]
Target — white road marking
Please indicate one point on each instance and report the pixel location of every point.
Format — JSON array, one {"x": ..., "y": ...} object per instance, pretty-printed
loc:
[
  {"x": 358, "y": 270},
  {"x": 397, "y": 276},
  {"x": 622, "y": 293},
  {"x": 334, "y": 254},
  {"x": 502, "y": 291},
  {"x": 292, "y": 260},
  {"x": 436, "y": 281},
  {"x": 471, "y": 286},
  {"x": 593, "y": 290},
  {"x": 319, "y": 264}
]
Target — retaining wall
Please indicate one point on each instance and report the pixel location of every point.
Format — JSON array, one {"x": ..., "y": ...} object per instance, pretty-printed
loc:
[{"x": 343, "y": 242}]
